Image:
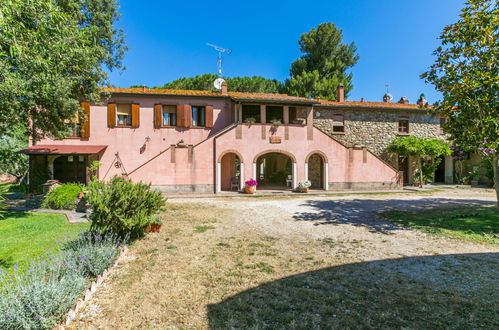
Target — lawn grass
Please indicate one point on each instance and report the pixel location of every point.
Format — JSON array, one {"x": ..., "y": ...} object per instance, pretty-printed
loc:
[
  {"x": 234, "y": 276},
  {"x": 31, "y": 235},
  {"x": 476, "y": 224}
]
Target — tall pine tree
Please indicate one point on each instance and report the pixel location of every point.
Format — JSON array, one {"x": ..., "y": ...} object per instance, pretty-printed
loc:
[{"x": 324, "y": 63}]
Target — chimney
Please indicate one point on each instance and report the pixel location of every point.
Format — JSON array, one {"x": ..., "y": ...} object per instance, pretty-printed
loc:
[
  {"x": 340, "y": 93},
  {"x": 362, "y": 100},
  {"x": 404, "y": 100},
  {"x": 224, "y": 88},
  {"x": 422, "y": 100},
  {"x": 143, "y": 88}
]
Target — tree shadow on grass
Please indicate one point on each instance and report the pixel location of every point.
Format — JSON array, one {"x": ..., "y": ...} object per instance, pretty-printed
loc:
[
  {"x": 6, "y": 263},
  {"x": 362, "y": 212},
  {"x": 445, "y": 291},
  {"x": 12, "y": 214}
]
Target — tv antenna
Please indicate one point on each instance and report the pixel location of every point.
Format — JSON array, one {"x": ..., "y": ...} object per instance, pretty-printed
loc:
[
  {"x": 220, "y": 50},
  {"x": 387, "y": 96}
]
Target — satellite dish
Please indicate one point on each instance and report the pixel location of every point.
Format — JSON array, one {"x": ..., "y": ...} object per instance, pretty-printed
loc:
[
  {"x": 390, "y": 96},
  {"x": 218, "y": 83}
]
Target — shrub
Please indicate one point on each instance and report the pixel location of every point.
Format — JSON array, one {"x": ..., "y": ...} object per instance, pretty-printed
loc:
[
  {"x": 92, "y": 252},
  {"x": 63, "y": 197},
  {"x": 121, "y": 206},
  {"x": 40, "y": 297}
]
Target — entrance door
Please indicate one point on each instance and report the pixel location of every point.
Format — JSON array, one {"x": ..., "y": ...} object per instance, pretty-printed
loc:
[
  {"x": 440, "y": 171},
  {"x": 71, "y": 169},
  {"x": 316, "y": 171},
  {"x": 404, "y": 167}
]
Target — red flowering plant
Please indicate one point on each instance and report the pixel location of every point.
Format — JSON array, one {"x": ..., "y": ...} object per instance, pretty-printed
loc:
[{"x": 251, "y": 183}]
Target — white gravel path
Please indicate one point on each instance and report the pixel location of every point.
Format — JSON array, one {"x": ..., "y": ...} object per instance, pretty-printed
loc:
[{"x": 350, "y": 223}]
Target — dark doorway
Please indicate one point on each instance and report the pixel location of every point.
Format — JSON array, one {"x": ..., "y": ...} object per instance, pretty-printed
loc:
[
  {"x": 71, "y": 169},
  {"x": 404, "y": 168},
  {"x": 440, "y": 171},
  {"x": 274, "y": 171}
]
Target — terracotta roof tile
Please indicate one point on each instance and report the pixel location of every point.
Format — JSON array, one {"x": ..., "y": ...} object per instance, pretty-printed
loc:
[
  {"x": 158, "y": 91},
  {"x": 370, "y": 105},
  {"x": 266, "y": 96},
  {"x": 235, "y": 95}
]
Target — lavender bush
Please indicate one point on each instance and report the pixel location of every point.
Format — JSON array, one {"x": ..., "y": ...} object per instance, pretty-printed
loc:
[
  {"x": 40, "y": 297},
  {"x": 94, "y": 252}
]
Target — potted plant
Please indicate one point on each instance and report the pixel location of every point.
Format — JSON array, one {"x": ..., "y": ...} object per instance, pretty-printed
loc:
[
  {"x": 250, "y": 120},
  {"x": 466, "y": 179},
  {"x": 181, "y": 144},
  {"x": 250, "y": 187},
  {"x": 154, "y": 225},
  {"x": 475, "y": 175},
  {"x": 276, "y": 122},
  {"x": 303, "y": 186}
]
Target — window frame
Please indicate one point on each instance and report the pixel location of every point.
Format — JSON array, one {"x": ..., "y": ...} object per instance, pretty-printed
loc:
[
  {"x": 75, "y": 125},
  {"x": 129, "y": 116},
  {"x": 163, "y": 106},
  {"x": 195, "y": 120},
  {"x": 399, "y": 126},
  {"x": 334, "y": 117}
]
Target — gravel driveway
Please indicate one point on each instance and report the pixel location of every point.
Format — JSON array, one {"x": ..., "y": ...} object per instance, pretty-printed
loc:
[
  {"x": 351, "y": 222},
  {"x": 307, "y": 261}
]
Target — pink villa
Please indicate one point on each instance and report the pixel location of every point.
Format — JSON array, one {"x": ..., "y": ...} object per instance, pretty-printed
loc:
[{"x": 184, "y": 141}]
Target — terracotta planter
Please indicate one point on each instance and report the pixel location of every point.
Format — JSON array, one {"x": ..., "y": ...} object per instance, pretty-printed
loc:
[
  {"x": 250, "y": 189},
  {"x": 303, "y": 190},
  {"x": 417, "y": 184},
  {"x": 81, "y": 194},
  {"x": 153, "y": 227}
]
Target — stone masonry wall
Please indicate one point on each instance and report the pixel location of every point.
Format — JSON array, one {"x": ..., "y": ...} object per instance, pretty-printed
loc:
[{"x": 375, "y": 129}]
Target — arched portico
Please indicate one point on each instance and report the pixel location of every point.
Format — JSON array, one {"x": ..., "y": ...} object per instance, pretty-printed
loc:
[{"x": 275, "y": 169}]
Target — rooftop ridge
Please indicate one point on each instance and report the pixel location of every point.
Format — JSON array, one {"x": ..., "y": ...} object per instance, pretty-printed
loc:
[{"x": 262, "y": 96}]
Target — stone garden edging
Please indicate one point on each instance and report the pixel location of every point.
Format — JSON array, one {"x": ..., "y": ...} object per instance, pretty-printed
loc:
[{"x": 92, "y": 289}]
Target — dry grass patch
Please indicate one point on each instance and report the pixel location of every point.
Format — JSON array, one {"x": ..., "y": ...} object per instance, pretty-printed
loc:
[{"x": 232, "y": 276}]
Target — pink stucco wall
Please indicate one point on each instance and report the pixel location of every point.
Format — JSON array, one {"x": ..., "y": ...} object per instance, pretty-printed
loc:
[
  {"x": 149, "y": 162},
  {"x": 140, "y": 158},
  {"x": 340, "y": 168}
]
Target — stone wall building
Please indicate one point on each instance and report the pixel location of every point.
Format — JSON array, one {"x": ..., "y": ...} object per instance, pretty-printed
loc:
[{"x": 374, "y": 125}]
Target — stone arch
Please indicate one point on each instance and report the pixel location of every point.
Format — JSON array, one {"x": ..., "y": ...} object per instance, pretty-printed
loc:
[
  {"x": 320, "y": 153},
  {"x": 228, "y": 152},
  {"x": 290, "y": 155}
]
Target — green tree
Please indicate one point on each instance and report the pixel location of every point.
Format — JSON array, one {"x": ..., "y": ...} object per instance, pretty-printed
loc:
[
  {"x": 253, "y": 84},
  {"x": 54, "y": 53},
  {"x": 11, "y": 162},
  {"x": 422, "y": 149},
  {"x": 324, "y": 64},
  {"x": 466, "y": 72}
]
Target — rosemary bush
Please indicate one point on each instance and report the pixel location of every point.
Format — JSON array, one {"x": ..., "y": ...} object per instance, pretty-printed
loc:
[{"x": 121, "y": 206}]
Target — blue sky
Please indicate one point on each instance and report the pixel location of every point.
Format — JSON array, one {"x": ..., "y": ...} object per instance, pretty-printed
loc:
[{"x": 395, "y": 39}]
